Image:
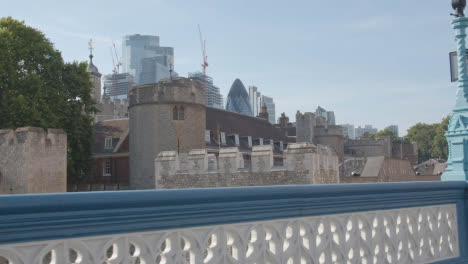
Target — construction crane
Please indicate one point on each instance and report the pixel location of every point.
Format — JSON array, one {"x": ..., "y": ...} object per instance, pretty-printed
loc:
[
  {"x": 115, "y": 71},
  {"x": 117, "y": 58},
  {"x": 205, "y": 58}
]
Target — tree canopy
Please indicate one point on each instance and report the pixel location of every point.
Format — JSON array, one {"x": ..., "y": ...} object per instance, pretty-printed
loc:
[
  {"x": 37, "y": 88},
  {"x": 430, "y": 138},
  {"x": 386, "y": 132}
]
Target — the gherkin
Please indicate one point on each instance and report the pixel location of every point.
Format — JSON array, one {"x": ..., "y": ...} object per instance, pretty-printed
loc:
[{"x": 238, "y": 99}]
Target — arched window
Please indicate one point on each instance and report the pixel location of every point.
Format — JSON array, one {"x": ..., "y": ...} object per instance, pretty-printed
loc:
[
  {"x": 181, "y": 113},
  {"x": 175, "y": 113}
]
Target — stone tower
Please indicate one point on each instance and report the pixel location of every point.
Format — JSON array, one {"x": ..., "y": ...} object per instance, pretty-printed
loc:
[
  {"x": 95, "y": 77},
  {"x": 305, "y": 124},
  {"x": 168, "y": 115}
]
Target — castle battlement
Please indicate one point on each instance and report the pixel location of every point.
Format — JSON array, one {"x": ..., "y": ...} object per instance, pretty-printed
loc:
[
  {"x": 176, "y": 90},
  {"x": 35, "y": 135},
  {"x": 33, "y": 160},
  {"x": 304, "y": 163}
]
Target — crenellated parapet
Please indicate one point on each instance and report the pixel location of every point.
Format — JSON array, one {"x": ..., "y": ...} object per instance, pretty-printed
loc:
[
  {"x": 33, "y": 160},
  {"x": 304, "y": 163}
]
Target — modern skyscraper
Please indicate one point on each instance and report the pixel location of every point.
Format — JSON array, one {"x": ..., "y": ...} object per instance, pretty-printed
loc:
[
  {"x": 360, "y": 131},
  {"x": 145, "y": 59},
  {"x": 348, "y": 131},
  {"x": 328, "y": 115},
  {"x": 255, "y": 99},
  {"x": 238, "y": 99},
  {"x": 213, "y": 96},
  {"x": 270, "y": 105},
  {"x": 394, "y": 129},
  {"x": 117, "y": 86}
]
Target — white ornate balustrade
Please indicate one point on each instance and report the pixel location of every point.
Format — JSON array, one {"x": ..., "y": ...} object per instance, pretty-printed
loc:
[{"x": 282, "y": 224}]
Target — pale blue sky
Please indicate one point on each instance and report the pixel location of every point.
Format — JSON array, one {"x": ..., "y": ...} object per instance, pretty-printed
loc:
[{"x": 376, "y": 62}]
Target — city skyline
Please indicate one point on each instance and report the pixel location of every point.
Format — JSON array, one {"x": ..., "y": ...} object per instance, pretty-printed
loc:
[{"x": 327, "y": 60}]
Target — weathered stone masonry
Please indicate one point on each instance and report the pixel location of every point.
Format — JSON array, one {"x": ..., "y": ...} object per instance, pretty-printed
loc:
[
  {"x": 304, "y": 163},
  {"x": 33, "y": 161}
]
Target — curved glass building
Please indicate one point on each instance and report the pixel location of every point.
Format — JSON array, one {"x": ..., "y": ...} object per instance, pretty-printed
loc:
[{"x": 238, "y": 99}]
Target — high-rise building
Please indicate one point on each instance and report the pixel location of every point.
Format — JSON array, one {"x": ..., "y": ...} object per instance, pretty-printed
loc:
[
  {"x": 145, "y": 59},
  {"x": 394, "y": 129},
  {"x": 117, "y": 86},
  {"x": 213, "y": 96},
  {"x": 360, "y": 131},
  {"x": 328, "y": 115},
  {"x": 257, "y": 101},
  {"x": 270, "y": 105},
  {"x": 238, "y": 99},
  {"x": 348, "y": 131}
]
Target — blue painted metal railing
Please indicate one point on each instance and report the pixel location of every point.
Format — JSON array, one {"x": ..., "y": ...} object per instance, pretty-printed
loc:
[{"x": 27, "y": 220}]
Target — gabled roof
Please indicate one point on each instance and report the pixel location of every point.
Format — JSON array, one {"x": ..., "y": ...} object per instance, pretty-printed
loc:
[{"x": 117, "y": 129}]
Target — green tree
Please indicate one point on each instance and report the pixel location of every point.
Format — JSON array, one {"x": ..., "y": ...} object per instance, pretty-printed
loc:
[
  {"x": 37, "y": 88},
  {"x": 388, "y": 132},
  {"x": 424, "y": 135},
  {"x": 439, "y": 144}
]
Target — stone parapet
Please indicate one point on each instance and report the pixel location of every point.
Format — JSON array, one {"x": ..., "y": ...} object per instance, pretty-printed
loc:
[
  {"x": 304, "y": 163},
  {"x": 198, "y": 161},
  {"x": 262, "y": 158},
  {"x": 175, "y": 90},
  {"x": 230, "y": 160}
]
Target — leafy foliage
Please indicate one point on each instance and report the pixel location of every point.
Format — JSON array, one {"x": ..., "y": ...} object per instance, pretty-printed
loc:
[
  {"x": 37, "y": 88},
  {"x": 430, "y": 138},
  {"x": 439, "y": 144}
]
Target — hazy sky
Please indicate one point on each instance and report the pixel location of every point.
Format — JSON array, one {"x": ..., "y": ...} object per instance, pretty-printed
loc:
[{"x": 376, "y": 62}]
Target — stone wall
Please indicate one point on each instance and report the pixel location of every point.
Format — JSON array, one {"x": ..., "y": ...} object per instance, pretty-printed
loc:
[
  {"x": 108, "y": 109},
  {"x": 365, "y": 147},
  {"x": 304, "y": 163},
  {"x": 33, "y": 161}
]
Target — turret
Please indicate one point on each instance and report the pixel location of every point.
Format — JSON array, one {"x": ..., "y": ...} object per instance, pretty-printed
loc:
[{"x": 168, "y": 115}]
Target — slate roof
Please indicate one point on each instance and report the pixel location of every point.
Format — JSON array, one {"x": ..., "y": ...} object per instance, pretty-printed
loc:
[
  {"x": 117, "y": 129},
  {"x": 373, "y": 166},
  {"x": 228, "y": 122},
  {"x": 431, "y": 167}
]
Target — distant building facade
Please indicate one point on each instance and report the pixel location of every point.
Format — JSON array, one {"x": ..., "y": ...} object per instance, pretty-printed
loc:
[
  {"x": 117, "y": 86},
  {"x": 270, "y": 106},
  {"x": 238, "y": 99},
  {"x": 145, "y": 59},
  {"x": 213, "y": 95},
  {"x": 394, "y": 129},
  {"x": 329, "y": 116},
  {"x": 348, "y": 130},
  {"x": 257, "y": 101},
  {"x": 360, "y": 131}
]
